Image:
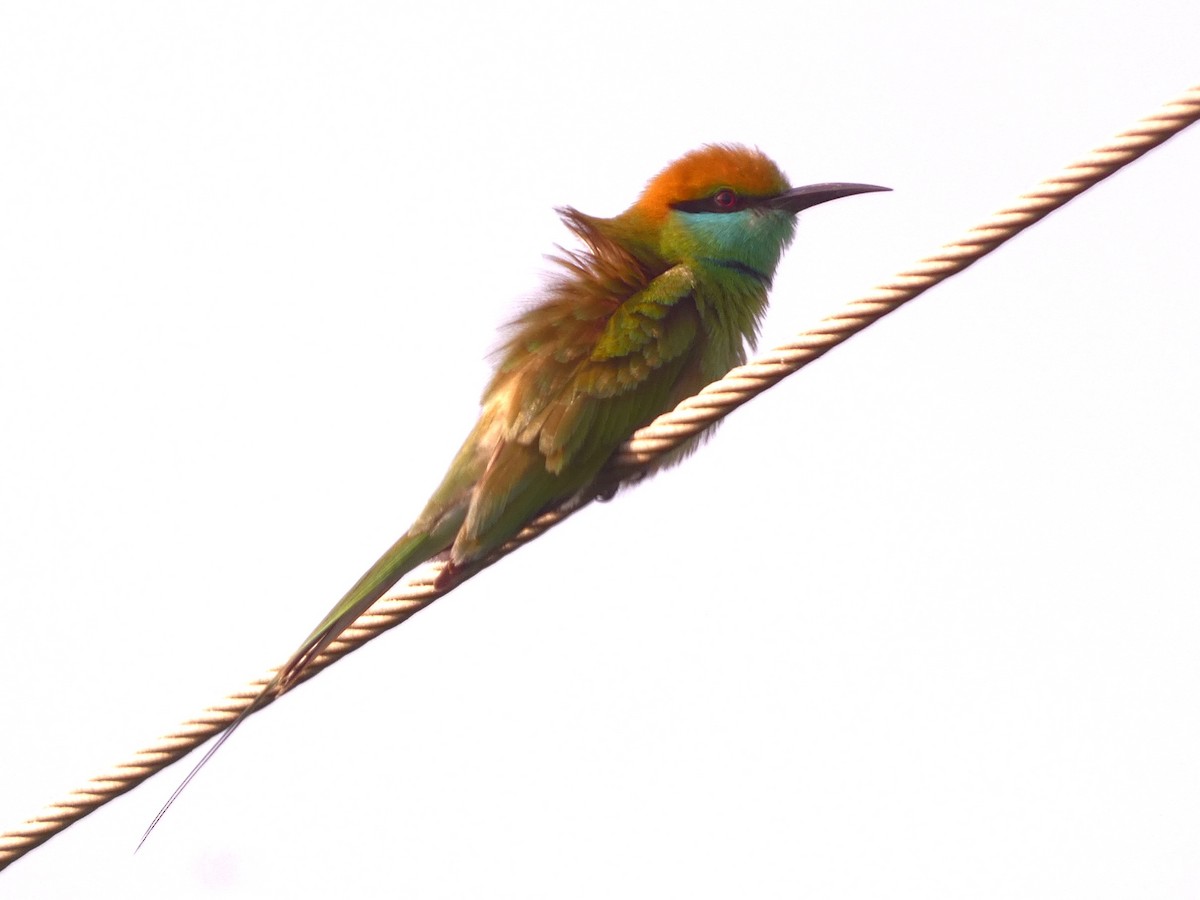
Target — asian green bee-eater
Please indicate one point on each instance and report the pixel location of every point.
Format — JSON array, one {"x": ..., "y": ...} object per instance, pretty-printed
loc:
[{"x": 661, "y": 300}]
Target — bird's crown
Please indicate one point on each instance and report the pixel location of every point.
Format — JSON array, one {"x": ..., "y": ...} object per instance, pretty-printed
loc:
[{"x": 705, "y": 171}]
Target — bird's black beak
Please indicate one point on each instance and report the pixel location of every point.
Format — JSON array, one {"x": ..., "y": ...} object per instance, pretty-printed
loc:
[{"x": 812, "y": 194}]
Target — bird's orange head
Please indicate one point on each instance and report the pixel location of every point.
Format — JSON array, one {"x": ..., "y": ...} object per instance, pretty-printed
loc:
[
  {"x": 722, "y": 204},
  {"x": 704, "y": 172}
]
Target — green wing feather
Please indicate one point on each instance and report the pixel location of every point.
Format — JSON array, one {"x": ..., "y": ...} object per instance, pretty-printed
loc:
[{"x": 580, "y": 373}]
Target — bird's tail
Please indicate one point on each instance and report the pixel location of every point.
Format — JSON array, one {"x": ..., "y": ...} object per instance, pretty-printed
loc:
[{"x": 404, "y": 556}]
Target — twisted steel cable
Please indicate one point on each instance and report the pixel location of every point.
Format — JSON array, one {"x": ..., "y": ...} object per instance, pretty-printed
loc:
[{"x": 664, "y": 434}]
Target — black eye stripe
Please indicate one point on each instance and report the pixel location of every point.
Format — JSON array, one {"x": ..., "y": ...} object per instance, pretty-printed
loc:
[{"x": 709, "y": 205}]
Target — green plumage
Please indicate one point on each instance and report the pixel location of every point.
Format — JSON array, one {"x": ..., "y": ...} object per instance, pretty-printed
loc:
[
  {"x": 658, "y": 302},
  {"x": 615, "y": 342}
]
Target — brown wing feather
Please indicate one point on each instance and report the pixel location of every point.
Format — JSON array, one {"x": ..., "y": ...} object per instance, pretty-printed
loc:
[{"x": 597, "y": 358}]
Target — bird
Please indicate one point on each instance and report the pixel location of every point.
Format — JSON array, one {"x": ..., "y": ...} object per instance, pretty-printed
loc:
[{"x": 657, "y": 302}]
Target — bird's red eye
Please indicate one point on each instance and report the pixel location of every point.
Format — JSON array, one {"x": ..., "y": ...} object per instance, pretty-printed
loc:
[{"x": 725, "y": 199}]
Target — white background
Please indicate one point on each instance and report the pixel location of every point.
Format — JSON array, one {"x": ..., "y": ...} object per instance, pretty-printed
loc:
[{"x": 921, "y": 622}]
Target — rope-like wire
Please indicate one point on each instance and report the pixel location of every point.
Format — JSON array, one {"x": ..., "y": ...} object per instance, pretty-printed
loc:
[{"x": 646, "y": 445}]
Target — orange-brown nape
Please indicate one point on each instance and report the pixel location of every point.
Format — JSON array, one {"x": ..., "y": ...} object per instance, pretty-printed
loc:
[{"x": 701, "y": 172}]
